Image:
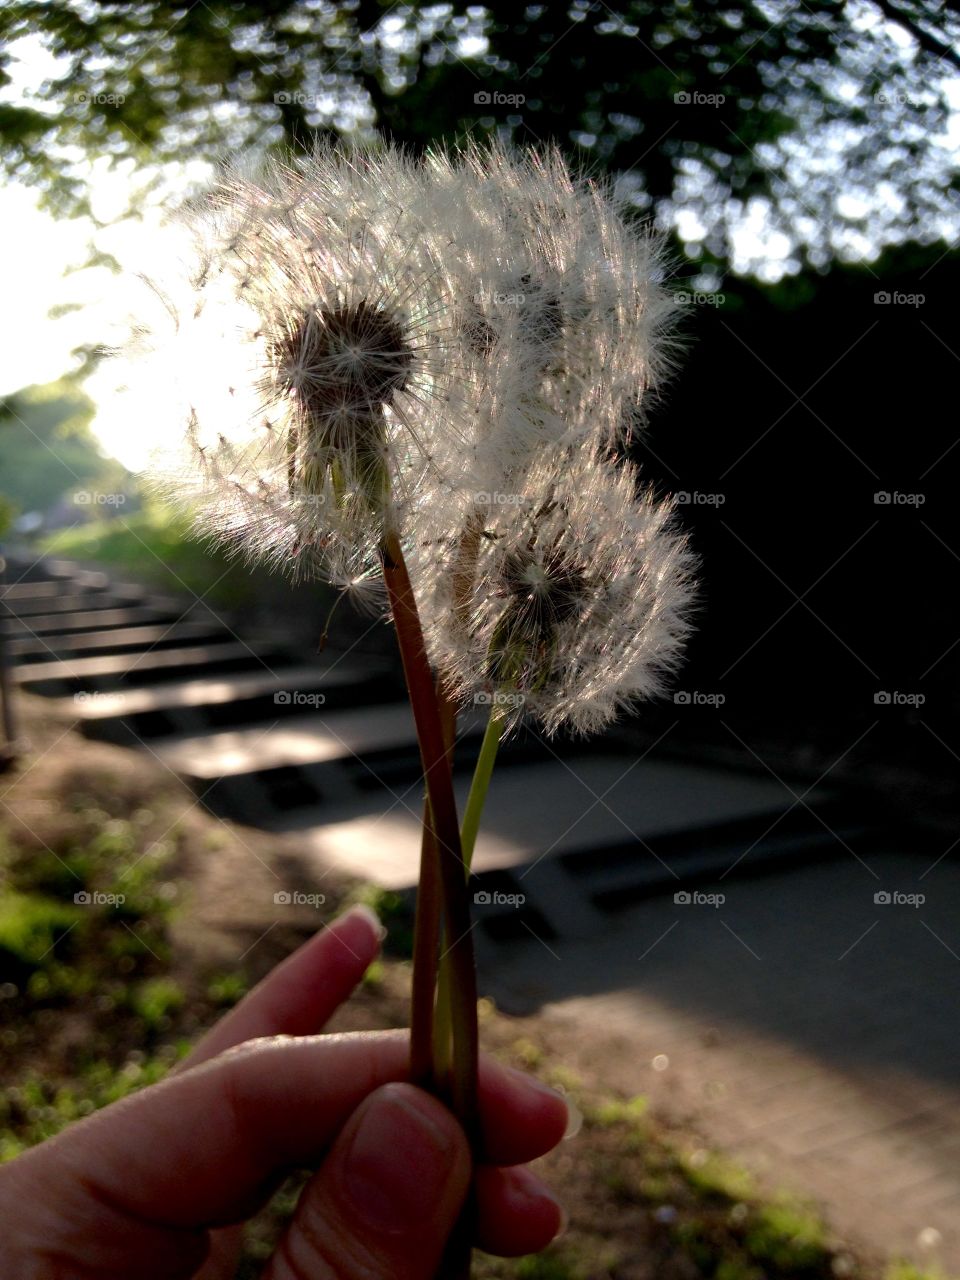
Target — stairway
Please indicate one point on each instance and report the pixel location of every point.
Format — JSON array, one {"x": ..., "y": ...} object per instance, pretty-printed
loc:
[{"x": 573, "y": 836}]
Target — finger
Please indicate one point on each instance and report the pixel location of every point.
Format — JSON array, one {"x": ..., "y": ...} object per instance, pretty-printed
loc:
[
  {"x": 386, "y": 1198},
  {"x": 516, "y": 1212},
  {"x": 301, "y": 993},
  {"x": 204, "y": 1147},
  {"x": 520, "y": 1116}
]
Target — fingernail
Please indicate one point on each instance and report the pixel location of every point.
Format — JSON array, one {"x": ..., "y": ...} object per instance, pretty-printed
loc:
[
  {"x": 367, "y": 913},
  {"x": 399, "y": 1161},
  {"x": 574, "y": 1120},
  {"x": 574, "y": 1114}
]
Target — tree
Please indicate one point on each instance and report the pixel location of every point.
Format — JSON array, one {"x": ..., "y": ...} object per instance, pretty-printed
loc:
[
  {"x": 822, "y": 122},
  {"x": 49, "y": 455}
]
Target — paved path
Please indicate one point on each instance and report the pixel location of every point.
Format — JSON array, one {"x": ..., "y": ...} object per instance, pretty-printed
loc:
[{"x": 806, "y": 1028}]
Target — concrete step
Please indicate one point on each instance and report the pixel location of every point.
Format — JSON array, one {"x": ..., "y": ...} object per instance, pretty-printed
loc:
[
  {"x": 269, "y": 695},
  {"x": 92, "y": 601},
  {"x": 51, "y": 624},
  {"x": 148, "y": 667},
  {"x": 114, "y": 641},
  {"x": 45, "y": 589},
  {"x": 332, "y": 757},
  {"x": 24, "y": 570},
  {"x": 319, "y": 738},
  {"x": 617, "y": 876},
  {"x": 536, "y": 813}
]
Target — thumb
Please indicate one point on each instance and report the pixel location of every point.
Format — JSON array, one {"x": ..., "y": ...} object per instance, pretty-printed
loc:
[{"x": 386, "y": 1198}]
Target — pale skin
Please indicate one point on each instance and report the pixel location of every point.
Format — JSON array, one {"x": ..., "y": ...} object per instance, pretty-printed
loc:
[{"x": 154, "y": 1186}]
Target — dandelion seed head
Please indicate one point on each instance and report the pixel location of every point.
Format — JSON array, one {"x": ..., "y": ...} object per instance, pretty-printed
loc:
[{"x": 575, "y": 600}]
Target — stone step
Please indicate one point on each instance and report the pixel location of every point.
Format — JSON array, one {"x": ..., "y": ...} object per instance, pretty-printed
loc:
[
  {"x": 63, "y": 603},
  {"x": 619, "y": 875},
  {"x": 318, "y": 738},
  {"x": 114, "y": 641},
  {"x": 49, "y": 624},
  {"x": 22, "y": 570},
  {"x": 269, "y": 695},
  {"x": 147, "y": 667},
  {"x": 46, "y": 589},
  {"x": 536, "y": 813}
]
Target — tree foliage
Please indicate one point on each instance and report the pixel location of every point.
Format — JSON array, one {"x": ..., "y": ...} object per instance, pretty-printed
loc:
[{"x": 829, "y": 117}]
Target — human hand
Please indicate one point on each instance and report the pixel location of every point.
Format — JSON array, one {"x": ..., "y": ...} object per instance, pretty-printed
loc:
[{"x": 153, "y": 1186}]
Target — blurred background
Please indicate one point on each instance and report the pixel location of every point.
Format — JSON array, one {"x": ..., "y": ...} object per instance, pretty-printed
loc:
[{"x": 748, "y": 892}]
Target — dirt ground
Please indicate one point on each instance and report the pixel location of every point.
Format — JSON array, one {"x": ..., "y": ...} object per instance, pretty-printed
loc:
[{"x": 646, "y": 1197}]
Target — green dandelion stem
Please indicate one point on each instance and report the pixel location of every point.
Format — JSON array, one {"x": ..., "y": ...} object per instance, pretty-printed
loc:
[{"x": 480, "y": 785}]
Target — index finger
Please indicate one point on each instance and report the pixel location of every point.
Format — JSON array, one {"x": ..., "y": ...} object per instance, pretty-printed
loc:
[{"x": 303, "y": 991}]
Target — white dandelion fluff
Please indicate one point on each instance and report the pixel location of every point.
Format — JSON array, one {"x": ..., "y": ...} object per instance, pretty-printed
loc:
[
  {"x": 573, "y": 602},
  {"x": 315, "y": 303},
  {"x": 359, "y": 336}
]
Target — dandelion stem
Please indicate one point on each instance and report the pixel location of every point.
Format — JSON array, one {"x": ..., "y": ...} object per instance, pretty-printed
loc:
[
  {"x": 427, "y": 1068},
  {"x": 480, "y": 785},
  {"x": 452, "y": 872}
]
